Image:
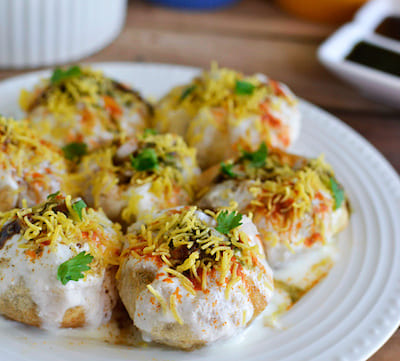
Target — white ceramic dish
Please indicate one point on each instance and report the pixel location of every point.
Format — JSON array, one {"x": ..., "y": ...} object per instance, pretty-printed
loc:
[
  {"x": 46, "y": 32},
  {"x": 347, "y": 317},
  {"x": 376, "y": 84}
]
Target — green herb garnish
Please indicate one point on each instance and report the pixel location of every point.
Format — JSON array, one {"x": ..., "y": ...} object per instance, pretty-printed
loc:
[
  {"x": 60, "y": 75},
  {"x": 78, "y": 206},
  {"x": 72, "y": 270},
  {"x": 75, "y": 150},
  {"x": 150, "y": 131},
  {"x": 53, "y": 195},
  {"x": 146, "y": 160},
  {"x": 227, "y": 221},
  {"x": 187, "y": 91},
  {"x": 244, "y": 87},
  {"x": 337, "y": 191},
  {"x": 257, "y": 159},
  {"x": 227, "y": 169}
]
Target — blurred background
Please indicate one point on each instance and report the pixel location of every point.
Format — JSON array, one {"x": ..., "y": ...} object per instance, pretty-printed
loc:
[{"x": 279, "y": 38}]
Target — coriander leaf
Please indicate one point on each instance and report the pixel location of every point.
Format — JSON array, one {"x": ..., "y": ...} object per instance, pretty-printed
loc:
[
  {"x": 53, "y": 195},
  {"x": 244, "y": 87},
  {"x": 227, "y": 169},
  {"x": 146, "y": 160},
  {"x": 337, "y": 191},
  {"x": 227, "y": 221},
  {"x": 150, "y": 131},
  {"x": 187, "y": 91},
  {"x": 257, "y": 158},
  {"x": 75, "y": 150},
  {"x": 59, "y": 75},
  {"x": 78, "y": 206},
  {"x": 72, "y": 270}
]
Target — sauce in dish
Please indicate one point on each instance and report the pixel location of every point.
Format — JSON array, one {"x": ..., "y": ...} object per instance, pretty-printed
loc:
[
  {"x": 375, "y": 57},
  {"x": 389, "y": 27}
]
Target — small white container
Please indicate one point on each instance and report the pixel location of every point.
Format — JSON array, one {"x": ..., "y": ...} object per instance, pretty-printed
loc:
[
  {"x": 37, "y": 33},
  {"x": 375, "y": 84}
]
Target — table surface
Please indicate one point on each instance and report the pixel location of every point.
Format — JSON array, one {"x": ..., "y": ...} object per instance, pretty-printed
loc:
[{"x": 256, "y": 36}]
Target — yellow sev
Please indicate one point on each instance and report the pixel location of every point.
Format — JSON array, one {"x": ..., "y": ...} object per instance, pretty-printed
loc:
[
  {"x": 284, "y": 190},
  {"x": 56, "y": 222},
  {"x": 24, "y": 154},
  {"x": 87, "y": 102},
  {"x": 87, "y": 88},
  {"x": 212, "y": 100},
  {"x": 175, "y": 172},
  {"x": 189, "y": 248}
]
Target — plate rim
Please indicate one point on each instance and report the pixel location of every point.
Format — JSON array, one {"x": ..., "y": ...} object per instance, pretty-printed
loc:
[{"x": 391, "y": 174}]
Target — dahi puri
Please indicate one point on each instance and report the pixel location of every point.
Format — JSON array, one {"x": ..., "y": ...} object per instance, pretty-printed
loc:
[
  {"x": 57, "y": 264},
  {"x": 148, "y": 173},
  {"x": 222, "y": 111},
  {"x": 81, "y": 105},
  {"x": 30, "y": 168},
  {"x": 297, "y": 205},
  {"x": 189, "y": 277}
]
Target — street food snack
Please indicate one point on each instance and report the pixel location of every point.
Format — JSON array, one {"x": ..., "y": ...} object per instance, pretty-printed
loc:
[
  {"x": 148, "y": 173},
  {"x": 222, "y": 111},
  {"x": 57, "y": 264},
  {"x": 81, "y": 109},
  {"x": 30, "y": 168},
  {"x": 297, "y": 204},
  {"x": 191, "y": 277}
]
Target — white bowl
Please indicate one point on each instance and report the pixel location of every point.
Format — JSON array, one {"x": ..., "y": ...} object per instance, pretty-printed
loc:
[
  {"x": 37, "y": 33},
  {"x": 375, "y": 84}
]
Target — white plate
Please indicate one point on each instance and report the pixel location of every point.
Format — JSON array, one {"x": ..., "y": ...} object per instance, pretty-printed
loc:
[{"x": 346, "y": 317}]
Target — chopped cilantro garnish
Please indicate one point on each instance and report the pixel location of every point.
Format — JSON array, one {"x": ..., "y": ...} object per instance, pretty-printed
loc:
[
  {"x": 146, "y": 160},
  {"x": 257, "y": 159},
  {"x": 244, "y": 87},
  {"x": 78, "y": 206},
  {"x": 75, "y": 150},
  {"x": 53, "y": 195},
  {"x": 187, "y": 91},
  {"x": 227, "y": 221},
  {"x": 150, "y": 131},
  {"x": 72, "y": 270},
  {"x": 337, "y": 191},
  {"x": 227, "y": 169},
  {"x": 59, "y": 75}
]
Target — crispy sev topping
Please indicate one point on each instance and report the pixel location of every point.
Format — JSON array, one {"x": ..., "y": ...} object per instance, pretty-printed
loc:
[
  {"x": 21, "y": 145},
  {"x": 226, "y": 98},
  {"x": 164, "y": 160},
  {"x": 24, "y": 154},
  {"x": 60, "y": 221},
  {"x": 83, "y": 105},
  {"x": 285, "y": 188},
  {"x": 186, "y": 242},
  {"x": 88, "y": 87},
  {"x": 218, "y": 88}
]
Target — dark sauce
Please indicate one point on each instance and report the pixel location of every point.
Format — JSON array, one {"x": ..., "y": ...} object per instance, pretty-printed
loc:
[
  {"x": 375, "y": 57},
  {"x": 389, "y": 27},
  {"x": 9, "y": 230}
]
